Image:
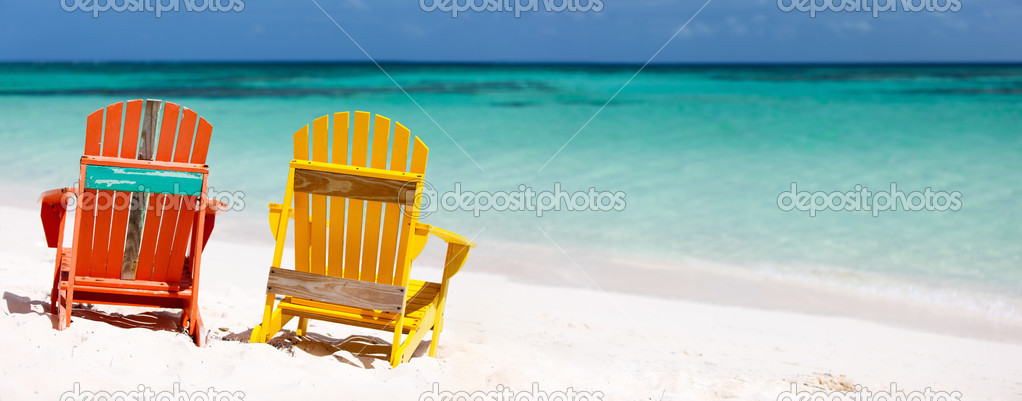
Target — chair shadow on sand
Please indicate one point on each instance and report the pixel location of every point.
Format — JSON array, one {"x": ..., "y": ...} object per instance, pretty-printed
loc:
[
  {"x": 152, "y": 320},
  {"x": 358, "y": 350},
  {"x": 17, "y": 304}
]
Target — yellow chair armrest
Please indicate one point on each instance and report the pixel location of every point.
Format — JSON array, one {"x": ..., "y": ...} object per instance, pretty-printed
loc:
[
  {"x": 447, "y": 236},
  {"x": 457, "y": 248},
  {"x": 275, "y": 209}
]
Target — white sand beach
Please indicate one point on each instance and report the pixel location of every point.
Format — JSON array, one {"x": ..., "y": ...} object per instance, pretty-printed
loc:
[
  {"x": 500, "y": 335},
  {"x": 790, "y": 200}
]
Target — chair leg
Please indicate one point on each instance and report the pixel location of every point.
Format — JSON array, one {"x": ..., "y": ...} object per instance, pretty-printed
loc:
[
  {"x": 185, "y": 323},
  {"x": 277, "y": 321},
  {"x": 303, "y": 326},
  {"x": 57, "y": 272},
  {"x": 260, "y": 333},
  {"x": 395, "y": 348},
  {"x": 434, "y": 341},
  {"x": 64, "y": 303},
  {"x": 61, "y": 321},
  {"x": 257, "y": 335},
  {"x": 415, "y": 336},
  {"x": 55, "y": 292},
  {"x": 438, "y": 327},
  {"x": 195, "y": 326},
  {"x": 395, "y": 351},
  {"x": 273, "y": 321}
]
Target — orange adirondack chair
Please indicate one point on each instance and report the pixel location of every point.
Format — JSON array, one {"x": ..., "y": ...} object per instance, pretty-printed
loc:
[{"x": 138, "y": 234}]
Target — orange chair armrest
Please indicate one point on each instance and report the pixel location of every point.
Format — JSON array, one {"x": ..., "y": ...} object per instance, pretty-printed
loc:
[{"x": 52, "y": 211}]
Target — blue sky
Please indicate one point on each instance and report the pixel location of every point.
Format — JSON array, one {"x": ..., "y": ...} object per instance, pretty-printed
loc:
[{"x": 628, "y": 31}]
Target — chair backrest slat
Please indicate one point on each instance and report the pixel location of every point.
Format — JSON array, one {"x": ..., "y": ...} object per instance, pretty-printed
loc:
[
  {"x": 339, "y": 155},
  {"x": 185, "y": 135},
  {"x": 317, "y": 235},
  {"x": 94, "y": 133},
  {"x": 119, "y": 220},
  {"x": 418, "y": 166},
  {"x": 392, "y": 212},
  {"x": 168, "y": 132},
  {"x": 171, "y": 203},
  {"x": 373, "y": 211},
  {"x": 177, "y": 238},
  {"x": 93, "y": 141},
  {"x": 301, "y": 201},
  {"x": 158, "y": 203},
  {"x": 129, "y": 139},
  {"x": 146, "y": 150},
  {"x": 104, "y": 199},
  {"x": 201, "y": 147},
  {"x": 112, "y": 130},
  {"x": 356, "y": 208}
]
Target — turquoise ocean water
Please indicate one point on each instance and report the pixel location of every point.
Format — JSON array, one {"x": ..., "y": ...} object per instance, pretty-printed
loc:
[{"x": 701, "y": 153}]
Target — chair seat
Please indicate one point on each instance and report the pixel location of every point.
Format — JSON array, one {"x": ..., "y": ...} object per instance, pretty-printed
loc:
[{"x": 420, "y": 301}]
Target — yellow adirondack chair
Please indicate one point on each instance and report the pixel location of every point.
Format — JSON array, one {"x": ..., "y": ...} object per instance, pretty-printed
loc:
[{"x": 347, "y": 271}]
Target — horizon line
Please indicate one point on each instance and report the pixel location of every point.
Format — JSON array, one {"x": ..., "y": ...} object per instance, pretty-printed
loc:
[{"x": 530, "y": 63}]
